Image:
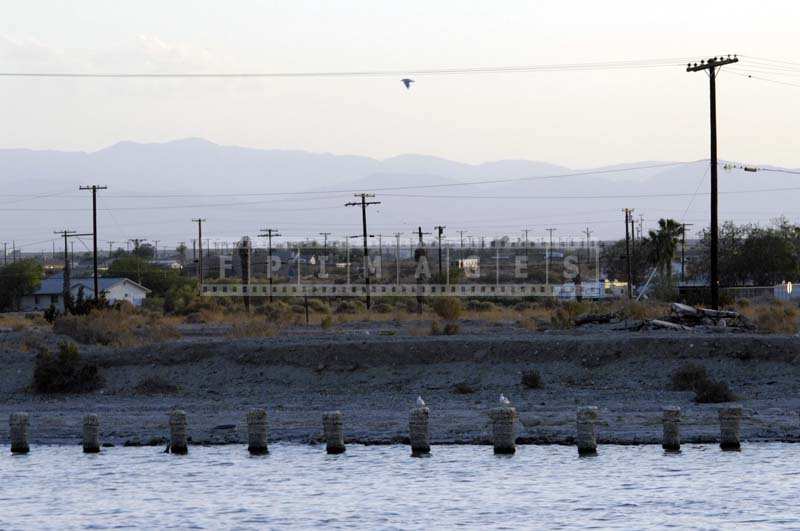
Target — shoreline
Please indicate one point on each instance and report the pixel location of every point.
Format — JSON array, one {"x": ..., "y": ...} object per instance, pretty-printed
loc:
[{"x": 374, "y": 381}]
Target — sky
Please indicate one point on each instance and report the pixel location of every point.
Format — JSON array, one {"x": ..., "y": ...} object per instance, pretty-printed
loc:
[{"x": 577, "y": 119}]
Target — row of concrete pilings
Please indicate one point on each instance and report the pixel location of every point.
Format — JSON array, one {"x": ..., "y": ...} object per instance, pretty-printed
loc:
[{"x": 503, "y": 420}]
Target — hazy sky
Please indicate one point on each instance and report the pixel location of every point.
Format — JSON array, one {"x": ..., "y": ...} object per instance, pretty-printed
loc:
[{"x": 571, "y": 118}]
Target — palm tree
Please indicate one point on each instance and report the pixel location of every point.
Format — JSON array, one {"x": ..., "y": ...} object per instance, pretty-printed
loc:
[{"x": 663, "y": 244}]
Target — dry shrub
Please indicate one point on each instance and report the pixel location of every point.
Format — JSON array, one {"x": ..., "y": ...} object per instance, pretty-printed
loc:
[
  {"x": 689, "y": 377},
  {"x": 562, "y": 320},
  {"x": 383, "y": 307},
  {"x": 350, "y": 307},
  {"x": 451, "y": 329},
  {"x": 531, "y": 379},
  {"x": 277, "y": 311},
  {"x": 776, "y": 318},
  {"x": 481, "y": 306},
  {"x": 448, "y": 308},
  {"x": 252, "y": 327},
  {"x": 463, "y": 388},
  {"x": 326, "y": 322},
  {"x": 16, "y": 322},
  {"x": 65, "y": 372},
  {"x": 319, "y": 306},
  {"x": 409, "y": 305},
  {"x": 155, "y": 385},
  {"x": 711, "y": 392},
  {"x": 114, "y": 328},
  {"x": 448, "y": 329},
  {"x": 694, "y": 377}
]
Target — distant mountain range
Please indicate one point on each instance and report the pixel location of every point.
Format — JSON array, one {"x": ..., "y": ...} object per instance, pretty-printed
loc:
[{"x": 156, "y": 189}]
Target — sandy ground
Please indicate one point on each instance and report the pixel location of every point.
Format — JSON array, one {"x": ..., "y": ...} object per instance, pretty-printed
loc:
[{"x": 374, "y": 378}]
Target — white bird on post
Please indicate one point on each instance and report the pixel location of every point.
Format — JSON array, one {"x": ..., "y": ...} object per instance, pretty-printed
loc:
[
  {"x": 420, "y": 402},
  {"x": 505, "y": 401}
]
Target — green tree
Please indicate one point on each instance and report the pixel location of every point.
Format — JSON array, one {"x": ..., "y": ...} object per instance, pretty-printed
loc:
[
  {"x": 160, "y": 280},
  {"x": 662, "y": 245},
  {"x": 181, "y": 250},
  {"x": 17, "y": 280}
]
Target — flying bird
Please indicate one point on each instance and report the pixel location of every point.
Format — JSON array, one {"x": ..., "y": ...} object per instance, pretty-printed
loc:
[
  {"x": 407, "y": 82},
  {"x": 505, "y": 401},
  {"x": 420, "y": 402}
]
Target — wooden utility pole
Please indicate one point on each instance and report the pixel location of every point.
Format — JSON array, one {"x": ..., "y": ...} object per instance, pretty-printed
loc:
[
  {"x": 439, "y": 232},
  {"x": 421, "y": 234},
  {"x": 397, "y": 255},
  {"x": 199, "y": 222},
  {"x": 325, "y": 244},
  {"x": 712, "y": 66},
  {"x": 364, "y": 204},
  {"x": 94, "y": 188},
  {"x": 268, "y": 234},
  {"x": 66, "y": 292},
  {"x": 628, "y": 213},
  {"x": 547, "y": 257},
  {"x": 683, "y": 250},
  {"x": 588, "y": 234}
]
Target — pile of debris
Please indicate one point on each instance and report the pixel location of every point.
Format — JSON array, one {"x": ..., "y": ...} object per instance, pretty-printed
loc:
[{"x": 681, "y": 317}]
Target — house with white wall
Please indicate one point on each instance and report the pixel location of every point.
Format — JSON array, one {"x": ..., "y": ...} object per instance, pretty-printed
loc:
[{"x": 114, "y": 289}]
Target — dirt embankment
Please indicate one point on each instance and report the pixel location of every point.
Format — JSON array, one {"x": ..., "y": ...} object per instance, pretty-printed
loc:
[{"x": 375, "y": 379}]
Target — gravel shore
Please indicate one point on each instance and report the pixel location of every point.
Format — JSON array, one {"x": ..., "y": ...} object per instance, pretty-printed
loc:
[{"x": 374, "y": 377}]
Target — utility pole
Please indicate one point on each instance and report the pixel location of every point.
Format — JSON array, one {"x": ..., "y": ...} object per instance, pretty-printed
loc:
[
  {"x": 421, "y": 234},
  {"x": 94, "y": 188},
  {"x": 66, "y": 289},
  {"x": 712, "y": 66},
  {"x": 268, "y": 234},
  {"x": 199, "y": 222},
  {"x": 641, "y": 226},
  {"x": 110, "y": 248},
  {"x": 439, "y": 232},
  {"x": 628, "y": 213},
  {"x": 325, "y": 245},
  {"x": 380, "y": 244},
  {"x": 5, "y": 253},
  {"x": 364, "y": 204},
  {"x": 547, "y": 257},
  {"x": 588, "y": 234},
  {"x": 527, "y": 253},
  {"x": 397, "y": 237},
  {"x": 155, "y": 249},
  {"x": 461, "y": 235},
  {"x": 683, "y": 250}
]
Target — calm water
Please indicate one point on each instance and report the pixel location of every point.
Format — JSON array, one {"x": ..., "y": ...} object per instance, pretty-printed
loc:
[{"x": 382, "y": 487}]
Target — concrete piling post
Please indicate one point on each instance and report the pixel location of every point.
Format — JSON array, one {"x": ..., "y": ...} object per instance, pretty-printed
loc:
[
  {"x": 334, "y": 438},
  {"x": 671, "y": 419},
  {"x": 178, "y": 433},
  {"x": 91, "y": 434},
  {"x": 257, "y": 432},
  {"x": 729, "y": 423},
  {"x": 18, "y": 432},
  {"x": 587, "y": 438},
  {"x": 504, "y": 429},
  {"x": 419, "y": 433}
]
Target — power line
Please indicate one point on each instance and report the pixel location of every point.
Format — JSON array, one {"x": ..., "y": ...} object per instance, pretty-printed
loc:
[
  {"x": 381, "y": 189},
  {"x": 759, "y": 78},
  {"x": 563, "y": 67}
]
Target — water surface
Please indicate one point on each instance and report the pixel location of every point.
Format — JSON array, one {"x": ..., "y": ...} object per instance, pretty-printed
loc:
[{"x": 58, "y": 487}]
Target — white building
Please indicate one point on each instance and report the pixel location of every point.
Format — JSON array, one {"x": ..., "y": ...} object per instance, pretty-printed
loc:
[{"x": 114, "y": 289}]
